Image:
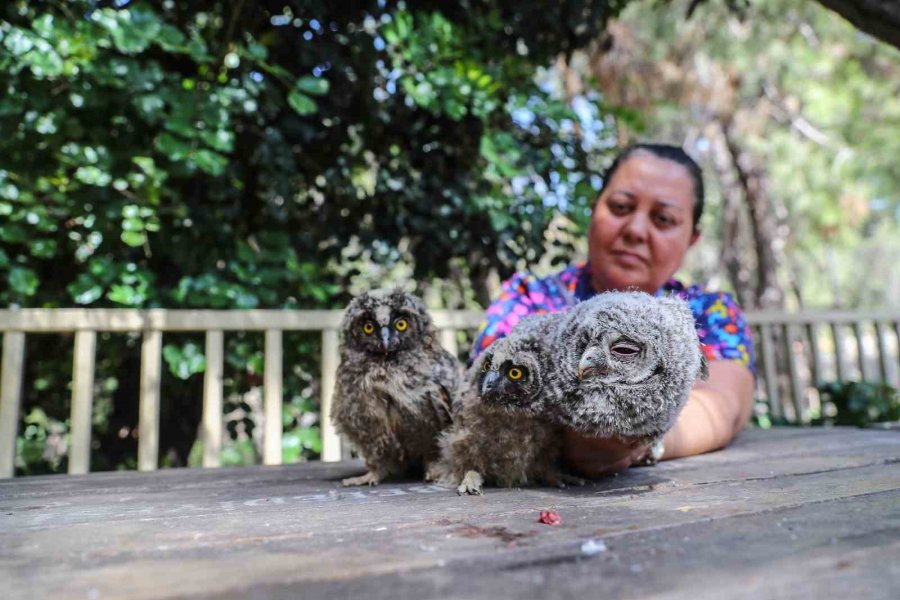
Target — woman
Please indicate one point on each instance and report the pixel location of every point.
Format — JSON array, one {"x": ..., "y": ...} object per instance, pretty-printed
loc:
[{"x": 642, "y": 225}]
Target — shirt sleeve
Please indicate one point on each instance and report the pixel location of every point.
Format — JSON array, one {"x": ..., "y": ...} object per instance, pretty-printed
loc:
[
  {"x": 722, "y": 329},
  {"x": 505, "y": 312}
]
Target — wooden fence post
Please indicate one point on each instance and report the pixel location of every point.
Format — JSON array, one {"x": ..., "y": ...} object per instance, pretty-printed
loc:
[
  {"x": 82, "y": 402},
  {"x": 148, "y": 421},
  {"x": 212, "y": 398},
  {"x": 272, "y": 398},
  {"x": 11, "y": 374},
  {"x": 331, "y": 442}
]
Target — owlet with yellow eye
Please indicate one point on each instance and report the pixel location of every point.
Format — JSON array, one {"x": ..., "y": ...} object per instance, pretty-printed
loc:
[
  {"x": 504, "y": 434},
  {"x": 396, "y": 387}
]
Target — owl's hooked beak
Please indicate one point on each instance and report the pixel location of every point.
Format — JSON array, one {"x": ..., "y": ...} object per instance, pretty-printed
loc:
[
  {"x": 490, "y": 380},
  {"x": 386, "y": 339},
  {"x": 589, "y": 364}
]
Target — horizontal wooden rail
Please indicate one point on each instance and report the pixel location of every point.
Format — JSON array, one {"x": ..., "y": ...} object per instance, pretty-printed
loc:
[
  {"x": 793, "y": 357},
  {"x": 39, "y": 320}
]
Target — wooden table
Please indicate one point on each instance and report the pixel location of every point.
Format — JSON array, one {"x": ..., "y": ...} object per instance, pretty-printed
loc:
[{"x": 790, "y": 513}]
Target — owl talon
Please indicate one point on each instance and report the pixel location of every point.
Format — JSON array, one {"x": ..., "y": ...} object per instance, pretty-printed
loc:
[
  {"x": 570, "y": 480},
  {"x": 653, "y": 455},
  {"x": 471, "y": 484},
  {"x": 369, "y": 478}
]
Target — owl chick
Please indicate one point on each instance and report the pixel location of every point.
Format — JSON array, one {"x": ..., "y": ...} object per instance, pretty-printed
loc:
[
  {"x": 628, "y": 363},
  {"x": 396, "y": 386},
  {"x": 503, "y": 434}
]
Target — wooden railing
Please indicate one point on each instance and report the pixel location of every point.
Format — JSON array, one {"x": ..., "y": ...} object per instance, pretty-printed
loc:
[
  {"x": 152, "y": 324},
  {"x": 797, "y": 351},
  {"x": 793, "y": 356}
]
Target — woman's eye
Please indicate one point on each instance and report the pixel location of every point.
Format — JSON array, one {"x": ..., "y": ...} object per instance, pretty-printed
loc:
[
  {"x": 618, "y": 208},
  {"x": 401, "y": 324},
  {"x": 368, "y": 328},
  {"x": 515, "y": 373},
  {"x": 663, "y": 220},
  {"x": 625, "y": 349}
]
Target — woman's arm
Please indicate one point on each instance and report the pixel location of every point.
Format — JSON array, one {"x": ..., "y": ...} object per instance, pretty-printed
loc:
[{"x": 716, "y": 411}]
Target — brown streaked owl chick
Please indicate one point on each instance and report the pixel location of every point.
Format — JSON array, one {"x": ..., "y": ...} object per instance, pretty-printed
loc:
[
  {"x": 502, "y": 435},
  {"x": 396, "y": 386},
  {"x": 628, "y": 362}
]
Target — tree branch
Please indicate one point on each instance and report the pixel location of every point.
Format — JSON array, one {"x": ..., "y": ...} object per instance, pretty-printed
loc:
[{"x": 879, "y": 18}]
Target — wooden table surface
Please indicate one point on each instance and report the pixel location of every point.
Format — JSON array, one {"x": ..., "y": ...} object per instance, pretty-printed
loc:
[{"x": 788, "y": 513}]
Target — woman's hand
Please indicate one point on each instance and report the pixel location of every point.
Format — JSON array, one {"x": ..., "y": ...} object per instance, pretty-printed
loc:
[{"x": 593, "y": 457}]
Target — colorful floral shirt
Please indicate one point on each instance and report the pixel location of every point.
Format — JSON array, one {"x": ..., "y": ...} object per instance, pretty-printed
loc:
[{"x": 721, "y": 326}]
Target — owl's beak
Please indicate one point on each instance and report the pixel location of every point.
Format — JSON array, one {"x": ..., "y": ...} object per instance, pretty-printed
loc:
[
  {"x": 386, "y": 338},
  {"x": 588, "y": 365},
  {"x": 490, "y": 380}
]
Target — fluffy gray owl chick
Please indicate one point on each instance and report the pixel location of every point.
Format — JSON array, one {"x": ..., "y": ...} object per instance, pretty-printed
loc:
[
  {"x": 503, "y": 434},
  {"x": 396, "y": 386},
  {"x": 628, "y": 363}
]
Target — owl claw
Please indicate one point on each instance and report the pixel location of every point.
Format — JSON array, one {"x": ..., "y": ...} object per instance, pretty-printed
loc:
[
  {"x": 471, "y": 484},
  {"x": 570, "y": 480},
  {"x": 369, "y": 478}
]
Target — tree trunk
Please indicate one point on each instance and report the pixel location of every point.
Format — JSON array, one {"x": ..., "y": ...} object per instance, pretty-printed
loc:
[
  {"x": 734, "y": 246},
  {"x": 762, "y": 220}
]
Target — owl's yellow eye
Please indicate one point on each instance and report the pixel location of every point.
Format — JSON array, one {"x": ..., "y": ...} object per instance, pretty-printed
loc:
[
  {"x": 486, "y": 366},
  {"x": 401, "y": 324},
  {"x": 369, "y": 328},
  {"x": 515, "y": 373}
]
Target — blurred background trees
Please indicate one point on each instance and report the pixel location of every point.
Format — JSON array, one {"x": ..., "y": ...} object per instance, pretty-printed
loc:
[{"x": 289, "y": 153}]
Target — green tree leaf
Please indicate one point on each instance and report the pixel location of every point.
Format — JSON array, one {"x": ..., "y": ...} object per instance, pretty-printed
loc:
[
  {"x": 301, "y": 103},
  {"x": 316, "y": 86}
]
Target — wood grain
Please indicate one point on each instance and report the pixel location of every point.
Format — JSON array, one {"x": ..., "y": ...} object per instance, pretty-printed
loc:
[{"x": 781, "y": 513}]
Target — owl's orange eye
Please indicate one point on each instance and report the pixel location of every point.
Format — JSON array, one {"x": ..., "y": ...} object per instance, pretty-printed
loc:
[
  {"x": 369, "y": 328},
  {"x": 515, "y": 373},
  {"x": 401, "y": 324}
]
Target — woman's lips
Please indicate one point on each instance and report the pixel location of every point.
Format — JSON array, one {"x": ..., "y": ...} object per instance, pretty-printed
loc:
[{"x": 630, "y": 258}]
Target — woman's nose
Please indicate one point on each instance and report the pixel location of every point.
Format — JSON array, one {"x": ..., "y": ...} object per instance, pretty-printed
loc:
[{"x": 636, "y": 227}]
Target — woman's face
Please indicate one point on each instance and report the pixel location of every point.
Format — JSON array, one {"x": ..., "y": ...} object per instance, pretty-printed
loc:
[{"x": 642, "y": 225}]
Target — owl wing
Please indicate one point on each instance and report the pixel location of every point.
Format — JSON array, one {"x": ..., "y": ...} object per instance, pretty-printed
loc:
[{"x": 446, "y": 373}]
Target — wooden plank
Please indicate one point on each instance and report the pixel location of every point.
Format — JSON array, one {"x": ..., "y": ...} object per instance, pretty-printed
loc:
[
  {"x": 11, "y": 374},
  {"x": 457, "y": 319},
  {"x": 75, "y": 319},
  {"x": 859, "y": 334},
  {"x": 272, "y": 398},
  {"x": 122, "y": 320},
  {"x": 211, "y": 432},
  {"x": 331, "y": 443},
  {"x": 755, "y": 454},
  {"x": 664, "y": 530},
  {"x": 448, "y": 341},
  {"x": 82, "y": 402},
  {"x": 844, "y": 317},
  {"x": 768, "y": 356},
  {"x": 798, "y": 391},
  {"x": 839, "y": 361},
  {"x": 151, "y": 379},
  {"x": 816, "y": 367}
]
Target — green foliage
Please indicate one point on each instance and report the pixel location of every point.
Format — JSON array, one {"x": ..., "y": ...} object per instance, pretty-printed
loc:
[
  {"x": 237, "y": 154},
  {"x": 859, "y": 403}
]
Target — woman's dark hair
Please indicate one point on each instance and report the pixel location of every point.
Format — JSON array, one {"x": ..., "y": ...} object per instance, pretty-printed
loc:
[{"x": 666, "y": 152}]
